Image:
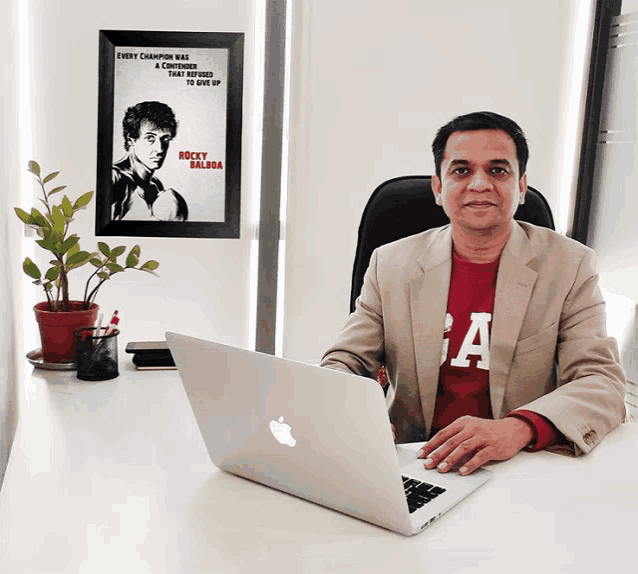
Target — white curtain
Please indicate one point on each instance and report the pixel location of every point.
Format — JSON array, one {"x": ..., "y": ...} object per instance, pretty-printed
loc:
[
  {"x": 11, "y": 352},
  {"x": 613, "y": 229}
]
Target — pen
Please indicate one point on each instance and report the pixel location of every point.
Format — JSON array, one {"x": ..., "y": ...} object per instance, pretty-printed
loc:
[
  {"x": 114, "y": 321},
  {"x": 99, "y": 325}
]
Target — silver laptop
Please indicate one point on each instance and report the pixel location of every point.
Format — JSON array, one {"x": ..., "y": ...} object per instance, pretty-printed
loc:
[{"x": 319, "y": 434}]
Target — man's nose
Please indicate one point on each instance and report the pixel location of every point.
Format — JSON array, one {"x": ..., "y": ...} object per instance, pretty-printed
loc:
[{"x": 480, "y": 181}]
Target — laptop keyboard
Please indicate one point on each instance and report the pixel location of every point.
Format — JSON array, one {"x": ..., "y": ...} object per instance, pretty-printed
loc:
[{"x": 419, "y": 493}]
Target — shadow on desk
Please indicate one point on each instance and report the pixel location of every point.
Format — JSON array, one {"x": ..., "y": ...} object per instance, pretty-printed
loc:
[{"x": 245, "y": 517}]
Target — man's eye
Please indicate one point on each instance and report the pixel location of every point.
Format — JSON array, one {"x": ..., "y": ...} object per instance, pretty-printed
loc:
[
  {"x": 498, "y": 170},
  {"x": 461, "y": 170},
  {"x": 150, "y": 139}
]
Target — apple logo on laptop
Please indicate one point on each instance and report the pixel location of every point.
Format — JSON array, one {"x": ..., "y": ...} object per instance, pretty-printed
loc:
[{"x": 281, "y": 431}]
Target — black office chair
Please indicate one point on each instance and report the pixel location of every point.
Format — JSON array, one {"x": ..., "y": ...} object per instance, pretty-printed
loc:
[{"x": 404, "y": 206}]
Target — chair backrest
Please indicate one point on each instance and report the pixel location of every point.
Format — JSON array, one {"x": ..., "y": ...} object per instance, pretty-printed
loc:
[{"x": 404, "y": 206}]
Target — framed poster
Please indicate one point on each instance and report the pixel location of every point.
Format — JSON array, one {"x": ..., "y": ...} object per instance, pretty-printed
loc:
[{"x": 169, "y": 134}]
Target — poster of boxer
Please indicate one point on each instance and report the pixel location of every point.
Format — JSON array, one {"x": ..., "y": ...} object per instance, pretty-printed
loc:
[{"x": 169, "y": 134}]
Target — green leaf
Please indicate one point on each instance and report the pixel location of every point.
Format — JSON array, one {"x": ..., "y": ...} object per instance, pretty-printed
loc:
[
  {"x": 34, "y": 167},
  {"x": 114, "y": 268},
  {"x": 58, "y": 220},
  {"x": 104, "y": 248},
  {"x": 103, "y": 275},
  {"x": 133, "y": 257},
  {"x": 56, "y": 189},
  {"x": 48, "y": 286},
  {"x": 73, "y": 249},
  {"x": 78, "y": 259},
  {"x": 53, "y": 273},
  {"x": 68, "y": 244},
  {"x": 57, "y": 236},
  {"x": 150, "y": 266},
  {"x": 50, "y": 177},
  {"x": 95, "y": 262},
  {"x": 48, "y": 244},
  {"x": 24, "y": 216},
  {"x": 47, "y": 232},
  {"x": 31, "y": 269},
  {"x": 118, "y": 251},
  {"x": 38, "y": 217},
  {"x": 83, "y": 201},
  {"x": 67, "y": 208}
]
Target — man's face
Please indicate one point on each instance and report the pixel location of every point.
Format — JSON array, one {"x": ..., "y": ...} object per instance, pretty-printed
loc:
[
  {"x": 479, "y": 188},
  {"x": 152, "y": 145}
]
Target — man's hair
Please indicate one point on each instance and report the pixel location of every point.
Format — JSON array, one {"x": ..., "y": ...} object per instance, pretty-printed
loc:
[
  {"x": 481, "y": 121},
  {"x": 158, "y": 114}
]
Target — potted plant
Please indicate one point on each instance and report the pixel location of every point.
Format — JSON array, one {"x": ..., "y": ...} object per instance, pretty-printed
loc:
[{"x": 59, "y": 317}]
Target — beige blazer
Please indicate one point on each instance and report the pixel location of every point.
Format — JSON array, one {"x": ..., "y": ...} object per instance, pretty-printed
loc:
[{"x": 549, "y": 352}]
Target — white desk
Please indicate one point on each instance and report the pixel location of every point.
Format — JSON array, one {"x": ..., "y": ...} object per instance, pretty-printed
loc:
[{"x": 114, "y": 477}]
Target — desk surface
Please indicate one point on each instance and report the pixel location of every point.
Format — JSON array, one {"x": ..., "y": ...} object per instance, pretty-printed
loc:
[{"x": 114, "y": 477}]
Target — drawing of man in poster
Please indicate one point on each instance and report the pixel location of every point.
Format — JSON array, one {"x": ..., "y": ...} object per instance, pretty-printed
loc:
[{"x": 138, "y": 195}]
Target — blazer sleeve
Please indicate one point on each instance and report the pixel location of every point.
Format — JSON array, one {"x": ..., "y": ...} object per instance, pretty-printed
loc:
[
  {"x": 359, "y": 346},
  {"x": 588, "y": 402}
]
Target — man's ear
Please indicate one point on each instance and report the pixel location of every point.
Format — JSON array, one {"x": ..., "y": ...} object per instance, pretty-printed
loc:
[
  {"x": 436, "y": 188},
  {"x": 522, "y": 188}
]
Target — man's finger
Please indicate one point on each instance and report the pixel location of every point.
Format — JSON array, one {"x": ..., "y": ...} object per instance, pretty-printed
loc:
[
  {"x": 439, "y": 455},
  {"x": 463, "y": 451},
  {"x": 436, "y": 441},
  {"x": 478, "y": 460}
]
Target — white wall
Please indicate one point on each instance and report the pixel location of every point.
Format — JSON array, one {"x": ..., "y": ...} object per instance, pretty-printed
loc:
[
  {"x": 371, "y": 84},
  {"x": 204, "y": 284}
]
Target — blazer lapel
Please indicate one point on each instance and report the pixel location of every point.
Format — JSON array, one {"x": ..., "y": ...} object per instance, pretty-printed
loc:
[
  {"x": 428, "y": 305},
  {"x": 514, "y": 285}
]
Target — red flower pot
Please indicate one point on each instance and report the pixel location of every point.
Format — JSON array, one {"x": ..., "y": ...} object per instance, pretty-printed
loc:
[{"x": 57, "y": 329}]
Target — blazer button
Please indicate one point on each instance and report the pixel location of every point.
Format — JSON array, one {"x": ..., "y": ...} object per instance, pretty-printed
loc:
[{"x": 590, "y": 437}]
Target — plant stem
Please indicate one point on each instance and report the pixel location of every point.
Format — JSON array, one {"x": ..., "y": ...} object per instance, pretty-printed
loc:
[
  {"x": 86, "y": 289},
  {"x": 46, "y": 199},
  {"x": 94, "y": 292}
]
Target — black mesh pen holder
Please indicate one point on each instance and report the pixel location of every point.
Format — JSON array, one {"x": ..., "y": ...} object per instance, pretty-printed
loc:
[{"x": 96, "y": 355}]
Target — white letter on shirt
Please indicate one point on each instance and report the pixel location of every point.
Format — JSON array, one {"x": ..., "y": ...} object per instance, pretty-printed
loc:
[
  {"x": 479, "y": 324},
  {"x": 446, "y": 342}
]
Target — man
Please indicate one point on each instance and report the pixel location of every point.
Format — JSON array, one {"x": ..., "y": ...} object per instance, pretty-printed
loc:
[
  {"x": 492, "y": 331},
  {"x": 138, "y": 195}
]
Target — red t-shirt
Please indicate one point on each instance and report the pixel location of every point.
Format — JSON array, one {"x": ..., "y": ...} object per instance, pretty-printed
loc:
[{"x": 465, "y": 359}]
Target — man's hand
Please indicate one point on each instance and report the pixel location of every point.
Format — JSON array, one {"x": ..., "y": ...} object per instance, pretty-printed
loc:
[{"x": 476, "y": 441}]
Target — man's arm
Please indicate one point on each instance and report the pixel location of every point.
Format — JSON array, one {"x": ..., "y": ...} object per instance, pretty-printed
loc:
[
  {"x": 170, "y": 206},
  {"x": 588, "y": 402},
  {"x": 359, "y": 347}
]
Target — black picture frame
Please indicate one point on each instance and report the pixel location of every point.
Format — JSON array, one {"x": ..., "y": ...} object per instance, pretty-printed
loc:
[{"x": 230, "y": 43}]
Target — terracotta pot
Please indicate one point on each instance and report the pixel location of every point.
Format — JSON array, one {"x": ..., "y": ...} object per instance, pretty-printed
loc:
[{"x": 57, "y": 329}]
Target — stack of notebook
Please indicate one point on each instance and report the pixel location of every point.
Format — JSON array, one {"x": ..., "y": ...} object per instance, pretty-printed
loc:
[{"x": 151, "y": 355}]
